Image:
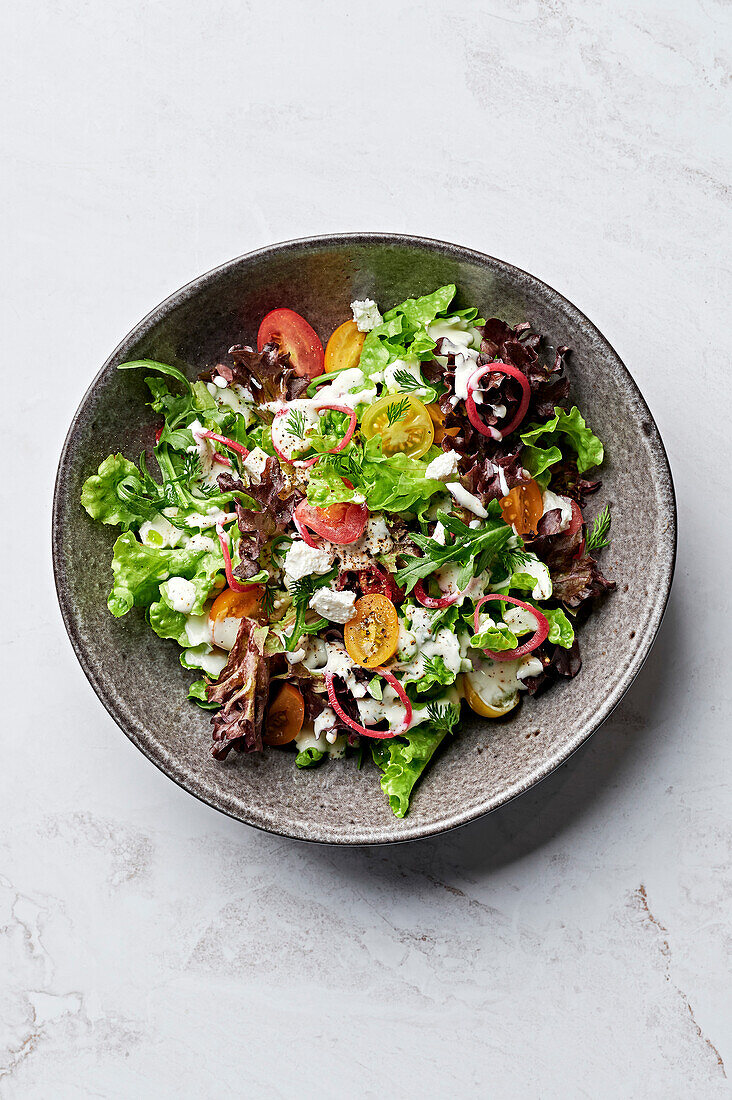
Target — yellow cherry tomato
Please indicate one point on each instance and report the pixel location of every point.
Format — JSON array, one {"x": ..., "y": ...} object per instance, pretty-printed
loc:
[
  {"x": 372, "y": 635},
  {"x": 403, "y": 422},
  {"x": 344, "y": 347},
  {"x": 237, "y": 605},
  {"x": 476, "y": 696}
]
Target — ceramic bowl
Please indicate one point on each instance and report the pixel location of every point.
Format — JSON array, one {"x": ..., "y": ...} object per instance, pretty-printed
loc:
[{"x": 138, "y": 677}]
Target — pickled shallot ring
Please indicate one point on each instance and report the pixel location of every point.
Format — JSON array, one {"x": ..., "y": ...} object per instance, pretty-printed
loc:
[
  {"x": 364, "y": 730},
  {"x": 539, "y": 635},
  {"x": 231, "y": 580},
  {"x": 472, "y": 409},
  {"x": 231, "y": 443},
  {"x": 433, "y": 601}
]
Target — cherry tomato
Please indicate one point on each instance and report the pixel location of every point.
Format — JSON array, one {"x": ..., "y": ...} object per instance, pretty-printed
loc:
[
  {"x": 403, "y": 423},
  {"x": 339, "y": 523},
  {"x": 227, "y": 611},
  {"x": 285, "y": 716},
  {"x": 576, "y": 521},
  {"x": 293, "y": 334},
  {"x": 372, "y": 635},
  {"x": 523, "y": 507},
  {"x": 437, "y": 417},
  {"x": 344, "y": 347},
  {"x": 478, "y": 691}
]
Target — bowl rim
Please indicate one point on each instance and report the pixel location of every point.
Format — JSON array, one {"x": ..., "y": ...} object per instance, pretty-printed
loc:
[{"x": 377, "y": 835}]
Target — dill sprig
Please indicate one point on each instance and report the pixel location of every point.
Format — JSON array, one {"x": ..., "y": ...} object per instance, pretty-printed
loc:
[
  {"x": 397, "y": 411},
  {"x": 597, "y": 538},
  {"x": 407, "y": 381},
  {"x": 444, "y": 716},
  {"x": 296, "y": 423}
]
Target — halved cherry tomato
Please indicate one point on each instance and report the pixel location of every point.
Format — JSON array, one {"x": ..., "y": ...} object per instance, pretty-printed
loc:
[
  {"x": 237, "y": 605},
  {"x": 523, "y": 507},
  {"x": 437, "y": 417},
  {"x": 294, "y": 335},
  {"x": 372, "y": 635},
  {"x": 576, "y": 521},
  {"x": 403, "y": 422},
  {"x": 285, "y": 716},
  {"x": 339, "y": 523},
  {"x": 475, "y": 698},
  {"x": 343, "y": 350},
  {"x": 227, "y": 611}
]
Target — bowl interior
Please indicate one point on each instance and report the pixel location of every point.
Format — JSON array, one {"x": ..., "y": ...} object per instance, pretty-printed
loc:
[{"x": 138, "y": 676}]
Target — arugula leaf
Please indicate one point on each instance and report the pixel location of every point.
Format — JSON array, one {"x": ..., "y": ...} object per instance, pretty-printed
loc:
[
  {"x": 570, "y": 424},
  {"x": 139, "y": 570},
  {"x": 402, "y": 760},
  {"x": 161, "y": 368},
  {"x": 474, "y": 549},
  {"x": 99, "y": 494},
  {"x": 597, "y": 538}
]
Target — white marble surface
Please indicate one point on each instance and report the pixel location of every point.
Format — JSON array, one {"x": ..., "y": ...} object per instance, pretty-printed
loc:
[{"x": 575, "y": 944}]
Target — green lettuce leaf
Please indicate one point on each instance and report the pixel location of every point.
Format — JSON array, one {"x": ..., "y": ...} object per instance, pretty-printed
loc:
[
  {"x": 498, "y": 638},
  {"x": 561, "y": 631},
  {"x": 197, "y": 692},
  {"x": 168, "y": 623},
  {"x": 434, "y": 674},
  {"x": 403, "y": 333},
  {"x": 138, "y": 571},
  {"x": 99, "y": 494},
  {"x": 393, "y": 484},
  {"x": 570, "y": 424},
  {"x": 402, "y": 760},
  {"x": 309, "y": 758}
]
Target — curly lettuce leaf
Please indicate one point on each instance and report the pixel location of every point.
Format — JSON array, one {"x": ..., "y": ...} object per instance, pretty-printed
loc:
[
  {"x": 309, "y": 758},
  {"x": 139, "y": 570},
  {"x": 389, "y": 484},
  {"x": 403, "y": 332},
  {"x": 197, "y": 692},
  {"x": 100, "y": 498},
  {"x": 561, "y": 631},
  {"x": 497, "y": 637},
  {"x": 168, "y": 623},
  {"x": 551, "y": 434},
  {"x": 402, "y": 760}
]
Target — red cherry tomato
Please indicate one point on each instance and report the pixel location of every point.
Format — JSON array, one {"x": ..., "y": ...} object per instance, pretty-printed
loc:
[
  {"x": 340, "y": 523},
  {"x": 576, "y": 521},
  {"x": 293, "y": 334}
]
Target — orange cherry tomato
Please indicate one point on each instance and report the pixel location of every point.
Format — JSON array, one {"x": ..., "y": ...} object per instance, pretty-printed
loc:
[
  {"x": 285, "y": 716},
  {"x": 294, "y": 335},
  {"x": 237, "y": 605},
  {"x": 372, "y": 635},
  {"x": 523, "y": 507},
  {"x": 437, "y": 417},
  {"x": 344, "y": 347}
]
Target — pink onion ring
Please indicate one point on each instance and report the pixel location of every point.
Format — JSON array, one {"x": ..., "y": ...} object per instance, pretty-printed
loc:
[
  {"x": 238, "y": 447},
  {"x": 433, "y": 601},
  {"x": 472, "y": 409},
  {"x": 365, "y": 731},
  {"x": 539, "y": 635},
  {"x": 231, "y": 580}
]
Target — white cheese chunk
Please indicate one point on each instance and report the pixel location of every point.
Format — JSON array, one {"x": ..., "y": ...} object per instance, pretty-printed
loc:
[
  {"x": 366, "y": 314},
  {"x": 254, "y": 464},
  {"x": 336, "y": 606},
  {"x": 551, "y": 501},
  {"x": 444, "y": 467},
  {"x": 301, "y": 560}
]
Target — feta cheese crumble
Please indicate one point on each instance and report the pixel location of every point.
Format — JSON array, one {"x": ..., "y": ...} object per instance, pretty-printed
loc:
[
  {"x": 551, "y": 501},
  {"x": 301, "y": 560},
  {"x": 444, "y": 467},
  {"x": 336, "y": 606},
  {"x": 366, "y": 314}
]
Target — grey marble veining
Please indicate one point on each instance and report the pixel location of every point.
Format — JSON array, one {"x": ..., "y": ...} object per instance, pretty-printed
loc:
[{"x": 577, "y": 942}]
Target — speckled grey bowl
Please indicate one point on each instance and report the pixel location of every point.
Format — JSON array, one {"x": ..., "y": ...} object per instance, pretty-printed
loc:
[{"x": 138, "y": 677}]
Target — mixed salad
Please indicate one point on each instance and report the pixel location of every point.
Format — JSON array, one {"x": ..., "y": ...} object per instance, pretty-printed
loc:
[{"x": 346, "y": 544}]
